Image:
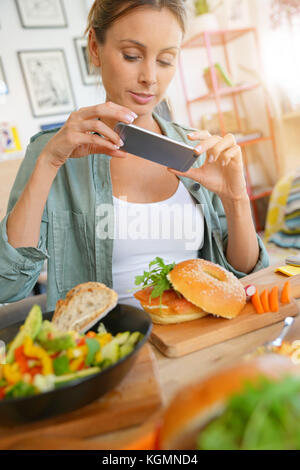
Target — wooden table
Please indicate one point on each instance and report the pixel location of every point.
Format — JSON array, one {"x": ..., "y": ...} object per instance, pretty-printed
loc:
[
  {"x": 177, "y": 372},
  {"x": 174, "y": 373}
]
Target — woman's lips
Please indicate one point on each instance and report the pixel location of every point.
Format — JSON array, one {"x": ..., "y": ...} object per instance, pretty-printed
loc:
[{"x": 141, "y": 99}]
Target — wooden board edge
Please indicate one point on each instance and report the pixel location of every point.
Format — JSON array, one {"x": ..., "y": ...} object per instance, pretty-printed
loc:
[{"x": 192, "y": 346}]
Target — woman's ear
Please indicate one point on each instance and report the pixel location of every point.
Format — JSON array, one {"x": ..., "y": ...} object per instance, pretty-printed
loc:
[{"x": 93, "y": 48}]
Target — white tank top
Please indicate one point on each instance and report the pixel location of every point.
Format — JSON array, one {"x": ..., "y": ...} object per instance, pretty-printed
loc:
[{"x": 172, "y": 229}]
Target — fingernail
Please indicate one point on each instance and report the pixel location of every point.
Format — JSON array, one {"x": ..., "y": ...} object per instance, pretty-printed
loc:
[
  {"x": 134, "y": 115},
  {"x": 121, "y": 143},
  {"x": 129, "y": 118},
  {"x": 199, "y": 148},
  {"x": 116, "y": 147},
  {"x": 192, "y": 134},
  {"x": 211, "y": 158},
  {"x": 223, "y": 163}
]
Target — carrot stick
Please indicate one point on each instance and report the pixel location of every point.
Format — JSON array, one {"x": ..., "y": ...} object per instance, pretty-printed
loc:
[
  {"x": 145, "y": 442},
  {"x": 286, "y": 293},
  {"x": 273, "y": 299},
  {"x": 256, "y": 302},
  {"x": 264, "y": 297}
]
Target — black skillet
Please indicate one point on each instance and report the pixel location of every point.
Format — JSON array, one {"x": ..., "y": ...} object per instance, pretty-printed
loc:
[{"x": 79, "y": 392}]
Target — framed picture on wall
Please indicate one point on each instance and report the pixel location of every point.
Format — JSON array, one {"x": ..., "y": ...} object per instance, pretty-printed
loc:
[
  {"x": 3, "y": 81},
  {"x": 47, "y": 82},
  {"x": 52, "y": 125},
  {"x": 42, "y": 13},
  {"x": 9, "y": 139},
  {"x": 88, "y": 76}
]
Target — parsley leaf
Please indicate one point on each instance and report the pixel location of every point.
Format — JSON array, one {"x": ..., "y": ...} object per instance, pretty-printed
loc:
[{"x": 157, "y": 278}]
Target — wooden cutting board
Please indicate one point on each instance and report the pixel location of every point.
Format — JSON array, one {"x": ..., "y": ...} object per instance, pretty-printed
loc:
[
  {"x": 184, "y": 338},
  {"x": 136, "y": 398}
]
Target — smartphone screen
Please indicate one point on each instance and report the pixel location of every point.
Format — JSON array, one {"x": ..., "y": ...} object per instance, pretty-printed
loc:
[{"x": 156, "y": 147}]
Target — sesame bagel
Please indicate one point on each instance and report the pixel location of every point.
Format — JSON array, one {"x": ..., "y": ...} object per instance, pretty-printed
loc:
[{"x": 209, "y": 286}]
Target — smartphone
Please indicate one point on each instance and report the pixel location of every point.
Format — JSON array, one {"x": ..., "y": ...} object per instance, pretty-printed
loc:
[
  {"x": 293, "y": 260},
  {"x": 156, "y": 147}
]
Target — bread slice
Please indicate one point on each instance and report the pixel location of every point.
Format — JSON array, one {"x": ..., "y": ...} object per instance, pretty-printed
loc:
[{"x": 83, "y": 306}]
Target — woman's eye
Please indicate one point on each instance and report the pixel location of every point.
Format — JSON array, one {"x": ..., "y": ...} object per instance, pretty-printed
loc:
[{"x": 132, "y": 58}]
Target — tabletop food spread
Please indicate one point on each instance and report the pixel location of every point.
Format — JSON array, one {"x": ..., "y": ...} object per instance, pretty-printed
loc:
[{"x": 72, "y": 345}]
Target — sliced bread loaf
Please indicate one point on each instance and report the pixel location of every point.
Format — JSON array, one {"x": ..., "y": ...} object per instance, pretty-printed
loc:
[{"x": 83, "y": 306}]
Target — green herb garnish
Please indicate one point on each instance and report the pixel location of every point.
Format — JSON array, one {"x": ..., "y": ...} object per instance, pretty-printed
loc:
[
  {"x": 156, "y": 277},
  {"x": 264, "y": 416}
]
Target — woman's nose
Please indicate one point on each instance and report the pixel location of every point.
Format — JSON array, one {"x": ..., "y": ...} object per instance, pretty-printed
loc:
[{"x": 148, "y": 73}]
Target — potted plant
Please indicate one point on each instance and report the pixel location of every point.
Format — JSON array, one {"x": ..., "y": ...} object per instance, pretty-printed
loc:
[{"x": 203, "y": 17}]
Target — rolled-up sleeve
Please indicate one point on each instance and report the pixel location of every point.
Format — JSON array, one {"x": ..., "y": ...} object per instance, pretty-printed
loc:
[{"x": 20, "y": 267}]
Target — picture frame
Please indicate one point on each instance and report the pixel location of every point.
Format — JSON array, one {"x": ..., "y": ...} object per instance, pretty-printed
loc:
[
  {"x": 3, "y": 82},
  {"x": 51, "y": 126},
  {"x": 42, "y": 14},
  {"x": 9, "y": 140},
  {"x": 47, "y": 81},
  {"x": 88, "y": 76}
]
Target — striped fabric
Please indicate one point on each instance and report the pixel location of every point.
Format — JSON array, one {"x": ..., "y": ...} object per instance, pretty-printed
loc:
[{"x": 283, "y": 219}]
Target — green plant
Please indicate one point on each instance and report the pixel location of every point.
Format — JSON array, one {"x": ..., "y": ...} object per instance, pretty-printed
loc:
[
  {"x": 201, "y": 7},
  {"x": 205, "y": 6}
]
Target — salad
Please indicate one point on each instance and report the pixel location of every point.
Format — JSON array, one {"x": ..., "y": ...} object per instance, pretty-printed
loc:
[
  {"x": 263, "y": 416},
  {"x": 41, "y": 358}
]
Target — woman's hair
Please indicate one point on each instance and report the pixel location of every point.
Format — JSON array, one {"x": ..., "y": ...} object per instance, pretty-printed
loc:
[{"x": 104, "y": 12}]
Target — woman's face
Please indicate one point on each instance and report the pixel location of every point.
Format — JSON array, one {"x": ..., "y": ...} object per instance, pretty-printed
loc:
[{"x": 140, "y": 56}]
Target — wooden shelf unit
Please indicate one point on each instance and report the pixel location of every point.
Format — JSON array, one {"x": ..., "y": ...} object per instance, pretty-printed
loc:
[{"x": 207, "y": 40}]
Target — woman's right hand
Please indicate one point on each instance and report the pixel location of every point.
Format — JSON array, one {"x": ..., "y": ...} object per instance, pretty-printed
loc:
[{"x": 74, "y": 139}]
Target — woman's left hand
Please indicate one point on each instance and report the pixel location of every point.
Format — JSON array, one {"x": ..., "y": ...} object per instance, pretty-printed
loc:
[{"x": 222, "y": 171}]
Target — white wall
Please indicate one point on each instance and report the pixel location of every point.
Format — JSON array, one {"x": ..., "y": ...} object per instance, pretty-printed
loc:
[{"x": 13, "y": 38}]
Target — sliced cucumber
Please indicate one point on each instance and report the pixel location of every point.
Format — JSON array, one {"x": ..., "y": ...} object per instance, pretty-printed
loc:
[
  {"x": 105, "y": 363},
  {"x": 30, "y": 328},
  {"x": 135, "y": 337},
  {"x": 46, "y": 328},
  {"x": 122, "y": 337},
  {"x": 111, "y": 351},
  {"x": 75, "y": 375},
  {"x": 101, "y": 330},
  {"x": 125, "y": 349},
  {"x": 61, "y": 343}
]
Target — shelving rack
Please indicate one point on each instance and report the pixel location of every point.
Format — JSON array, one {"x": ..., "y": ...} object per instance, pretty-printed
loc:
[{"x": 207, "y": 40}]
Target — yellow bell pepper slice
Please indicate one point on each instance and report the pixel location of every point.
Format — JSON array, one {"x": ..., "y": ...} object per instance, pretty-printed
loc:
[
  {"x": 104, "y": 339},
  {"x": 76, "y": 363},
  {"x": 31, "y": 350},
  {"x": 12, "y": 373}
]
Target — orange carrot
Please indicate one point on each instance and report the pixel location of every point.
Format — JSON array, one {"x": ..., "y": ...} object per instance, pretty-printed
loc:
[
  {"x": 264, "y": 297},
  {"x": 273, "y": 299},
  {"x": 91, "y": 334},
  {"x": 286, "y": 293},
  {"x": 256, "y": 302},
  {"x": 144, "y": 442}
]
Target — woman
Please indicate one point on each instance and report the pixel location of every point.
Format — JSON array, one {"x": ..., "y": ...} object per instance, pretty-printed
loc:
[{"x": 72, "y": 177}]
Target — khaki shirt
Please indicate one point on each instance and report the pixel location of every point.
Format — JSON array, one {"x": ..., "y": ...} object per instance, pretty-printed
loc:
[{"x": 72, "y": 219}]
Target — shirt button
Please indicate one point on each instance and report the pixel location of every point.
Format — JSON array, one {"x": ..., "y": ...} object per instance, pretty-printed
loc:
[{"x": 196, "y": 187}]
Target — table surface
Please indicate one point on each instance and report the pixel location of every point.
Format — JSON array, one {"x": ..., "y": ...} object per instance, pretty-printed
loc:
[{"x": 174, "y": 373}]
